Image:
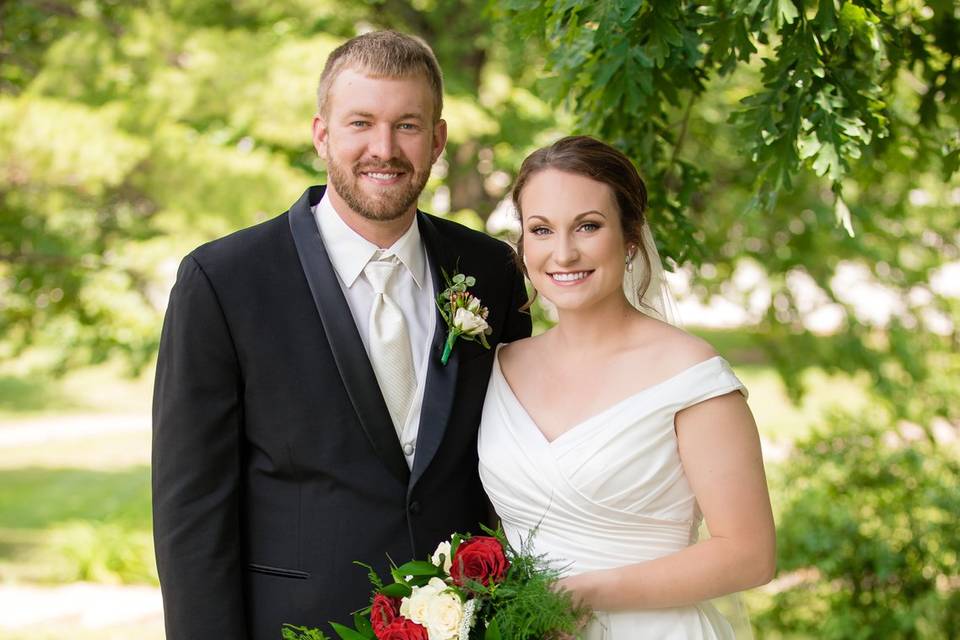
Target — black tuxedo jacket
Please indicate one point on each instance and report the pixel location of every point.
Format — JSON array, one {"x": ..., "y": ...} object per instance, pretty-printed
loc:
[{"x": 275, "y": 463}]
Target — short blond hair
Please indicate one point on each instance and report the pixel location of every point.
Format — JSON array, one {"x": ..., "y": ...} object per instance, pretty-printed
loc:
[{"x": 383, "y": 54}]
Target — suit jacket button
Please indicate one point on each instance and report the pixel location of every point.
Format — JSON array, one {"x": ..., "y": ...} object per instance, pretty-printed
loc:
[{"x": 414, "y": 508}]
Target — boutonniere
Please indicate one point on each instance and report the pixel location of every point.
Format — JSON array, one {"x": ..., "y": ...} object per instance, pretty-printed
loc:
[{"x": 465, "y": 316}]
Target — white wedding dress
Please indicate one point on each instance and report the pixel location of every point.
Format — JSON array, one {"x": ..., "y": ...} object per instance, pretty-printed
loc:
[{"x": 608, "y": 492}]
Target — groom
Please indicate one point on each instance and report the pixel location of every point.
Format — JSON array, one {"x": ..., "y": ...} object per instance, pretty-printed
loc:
[{"x": 302, "y": 416}]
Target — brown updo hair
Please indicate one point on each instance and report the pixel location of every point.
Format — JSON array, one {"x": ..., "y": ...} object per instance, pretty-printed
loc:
[{"x": 588, "y": 157}]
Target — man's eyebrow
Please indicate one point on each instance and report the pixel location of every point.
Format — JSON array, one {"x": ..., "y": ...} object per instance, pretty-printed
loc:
[{"x": 366, "y": 114}]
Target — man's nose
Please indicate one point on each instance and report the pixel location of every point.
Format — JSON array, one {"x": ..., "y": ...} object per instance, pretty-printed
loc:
[{"x": 381, "y": 143}]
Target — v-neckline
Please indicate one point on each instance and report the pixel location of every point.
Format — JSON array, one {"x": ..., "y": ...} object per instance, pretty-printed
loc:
[{"x": 577, "y": 425}]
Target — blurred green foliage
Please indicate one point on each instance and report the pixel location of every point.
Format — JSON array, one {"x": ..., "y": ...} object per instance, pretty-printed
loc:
[
  {"x": 814, "y": 142},
  {"x": 132, "y": 131},
  {"x": 867, "y": 525},
  {"x": 105, "y": 553},
  {"x": 66, "y": 524}
]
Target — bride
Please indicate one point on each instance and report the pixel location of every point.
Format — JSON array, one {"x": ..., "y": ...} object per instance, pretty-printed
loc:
[{"x": 610, "y": 436}]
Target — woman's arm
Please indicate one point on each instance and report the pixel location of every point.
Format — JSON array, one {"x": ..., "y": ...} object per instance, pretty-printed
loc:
[{"x": 720, "y": 451}]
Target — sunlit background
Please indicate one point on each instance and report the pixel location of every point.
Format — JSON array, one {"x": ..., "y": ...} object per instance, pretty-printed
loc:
[{"x": 130, "y": 132}]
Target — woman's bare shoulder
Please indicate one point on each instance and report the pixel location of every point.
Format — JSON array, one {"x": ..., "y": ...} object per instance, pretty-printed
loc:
[
  {"x": 673, "y": 347},
  {"x": 516, "y": 353}
]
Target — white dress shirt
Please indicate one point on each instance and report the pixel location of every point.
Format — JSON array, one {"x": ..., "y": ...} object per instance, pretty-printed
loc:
[{"x": 411, "y": 288}]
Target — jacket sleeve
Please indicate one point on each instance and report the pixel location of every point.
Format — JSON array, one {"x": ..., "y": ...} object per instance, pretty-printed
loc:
[{"x": 197, "y": 429}]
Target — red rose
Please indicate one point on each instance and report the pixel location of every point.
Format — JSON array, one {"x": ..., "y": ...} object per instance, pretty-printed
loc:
[
  {"x": 382, "y": 612},
  {"x": 481, "y": 559},
  {"x": 403, "y": 629}
]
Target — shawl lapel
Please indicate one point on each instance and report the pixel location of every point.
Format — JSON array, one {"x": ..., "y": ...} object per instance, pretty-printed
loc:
[
  {"x": 441, "y": 383},
  {"x": 344, "y": 339}
]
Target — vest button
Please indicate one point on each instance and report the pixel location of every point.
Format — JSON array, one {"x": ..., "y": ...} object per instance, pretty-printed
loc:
[{"x": 414, "y": 508}]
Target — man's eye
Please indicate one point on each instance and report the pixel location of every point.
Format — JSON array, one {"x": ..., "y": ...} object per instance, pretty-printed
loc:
[
  {"x": 407, "y": 126},
  {"x": 359, "y": 123}
]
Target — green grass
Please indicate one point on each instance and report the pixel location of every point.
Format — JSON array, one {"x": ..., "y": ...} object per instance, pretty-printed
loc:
[
  {"x": 40, "y": 498},
  {"x": 32, "y": 393},
  {"x": 65, "y": 524}
]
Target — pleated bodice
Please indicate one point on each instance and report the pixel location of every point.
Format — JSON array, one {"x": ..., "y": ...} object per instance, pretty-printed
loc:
[{"x": 608, "y": 492}]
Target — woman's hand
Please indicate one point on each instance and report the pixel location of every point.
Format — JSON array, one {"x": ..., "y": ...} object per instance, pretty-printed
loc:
[
  {"x": 579, "y": 587},
  {"x": 582, "y": 587}
]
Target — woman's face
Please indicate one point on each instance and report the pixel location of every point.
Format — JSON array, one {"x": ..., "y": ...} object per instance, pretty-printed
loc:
[{"x": 573, "y": 243}]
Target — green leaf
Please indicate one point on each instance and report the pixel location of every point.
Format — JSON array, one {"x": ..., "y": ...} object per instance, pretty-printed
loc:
[
  {"x": 610, "y": 64},
  {"x": 629, "y": 8},
  {"x": 361, "y": 622},
  {"x": 842, "y": 213},
  {"x": 808, "y": 146},
  {"x": 828, "y": 161},
  {"x": 826, "y": 19},
  {"x": 418, "y": 568},
  {"x": 291, "y": 632},
  {"x": 782, "y": 12},
  {"x": 396, "y": 590},
  {"x": 492, "y": 632},
  {"x": 346, "y": 633}
]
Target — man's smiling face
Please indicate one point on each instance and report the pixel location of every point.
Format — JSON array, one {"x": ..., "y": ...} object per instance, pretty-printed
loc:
[{"x": 379, "y": 139}]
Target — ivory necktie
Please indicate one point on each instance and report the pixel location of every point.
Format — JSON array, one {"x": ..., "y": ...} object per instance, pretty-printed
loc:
[{"x": 390, "y": 352}]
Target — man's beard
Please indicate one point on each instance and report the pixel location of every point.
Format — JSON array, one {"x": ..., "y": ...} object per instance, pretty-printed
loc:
[{"x": 392, "y": 203}]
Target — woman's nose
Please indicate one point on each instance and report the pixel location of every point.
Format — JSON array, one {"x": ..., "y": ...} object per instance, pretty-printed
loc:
[{"x": 566, "y": 251}]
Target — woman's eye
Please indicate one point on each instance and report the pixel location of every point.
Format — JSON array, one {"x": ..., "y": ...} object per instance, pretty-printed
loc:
[
  {"x": 539, "y": 231},
  {"x": 589, "y": 226}
]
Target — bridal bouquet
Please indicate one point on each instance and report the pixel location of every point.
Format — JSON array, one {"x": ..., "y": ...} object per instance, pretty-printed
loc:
[{"x": 471, "y": 588}]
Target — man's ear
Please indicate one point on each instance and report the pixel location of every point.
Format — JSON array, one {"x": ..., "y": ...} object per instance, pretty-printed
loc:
[
  {"x": 320, "y": 135},
  {"x": 439, "y": 138}
]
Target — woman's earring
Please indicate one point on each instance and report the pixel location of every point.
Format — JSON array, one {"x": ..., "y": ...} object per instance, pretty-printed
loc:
[{"x": 628, "y": 261}]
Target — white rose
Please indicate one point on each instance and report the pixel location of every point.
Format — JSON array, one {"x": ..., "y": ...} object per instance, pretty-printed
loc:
[
  {"x": 416, "y": 604},
  {"x": 442, "y": 549},
  {"x": 444, "y": 615},
  {"x": 469, "y": 323},
  {"x": 436, "y": 608}
]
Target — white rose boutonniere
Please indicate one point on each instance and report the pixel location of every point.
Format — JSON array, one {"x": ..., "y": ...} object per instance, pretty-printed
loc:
[{"x": 465, "y": 315}]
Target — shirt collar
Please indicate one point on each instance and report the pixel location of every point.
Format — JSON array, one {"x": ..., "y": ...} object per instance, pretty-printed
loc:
[{"x": 350, "y": 252}]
